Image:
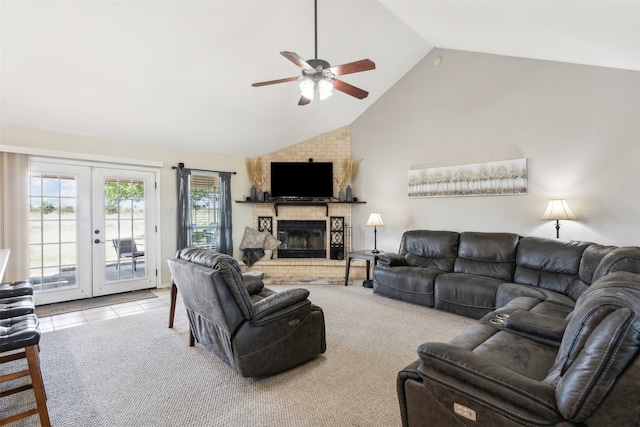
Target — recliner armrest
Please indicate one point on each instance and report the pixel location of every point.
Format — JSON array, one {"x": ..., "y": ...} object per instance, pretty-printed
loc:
[
  {"x": 390, "y": 259},
  {"x": 278, "y": 301},
  {"x": 496, "y": 384},
  {"x": 536, "y": 325}
]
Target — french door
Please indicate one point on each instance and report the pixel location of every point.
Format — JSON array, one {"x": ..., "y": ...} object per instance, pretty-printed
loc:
[
  {"x": 124, "y": 230},
  {"x": 79, "y": 217}
]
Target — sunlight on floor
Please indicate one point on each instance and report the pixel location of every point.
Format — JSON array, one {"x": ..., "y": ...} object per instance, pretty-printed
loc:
[{"x": 81, "y": 317}]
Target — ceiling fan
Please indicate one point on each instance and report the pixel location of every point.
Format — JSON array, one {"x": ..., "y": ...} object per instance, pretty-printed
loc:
[{"x": 318, "y": 74}]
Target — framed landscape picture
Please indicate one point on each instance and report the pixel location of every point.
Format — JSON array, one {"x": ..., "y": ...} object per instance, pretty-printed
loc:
[{"x": 500, "y": 178}]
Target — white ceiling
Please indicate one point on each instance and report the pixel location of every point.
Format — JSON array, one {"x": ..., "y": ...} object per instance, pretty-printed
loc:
[{"x": 179, "y": 73}]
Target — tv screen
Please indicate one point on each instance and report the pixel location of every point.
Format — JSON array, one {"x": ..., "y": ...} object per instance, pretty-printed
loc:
[{"x": 308, "y": 180}]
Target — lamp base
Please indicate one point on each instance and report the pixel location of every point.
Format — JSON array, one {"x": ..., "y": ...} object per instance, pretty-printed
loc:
[{"x": 367, "y": 283}]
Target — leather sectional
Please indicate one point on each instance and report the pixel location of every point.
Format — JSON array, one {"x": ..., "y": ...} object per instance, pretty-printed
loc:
[{"x": 557, "y": 338}]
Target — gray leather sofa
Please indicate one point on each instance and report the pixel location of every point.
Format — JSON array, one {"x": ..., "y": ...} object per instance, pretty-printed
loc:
[
  {"x": 517, "y": 366},
  {"x": 557, "y": 339},
  {"x": 253, "y": 329},
  {"x": 473, "y": 273}
]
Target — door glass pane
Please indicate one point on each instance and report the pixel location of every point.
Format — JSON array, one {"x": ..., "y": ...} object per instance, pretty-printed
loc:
[
  {"x": 53, "y": 231},
  {"x": 124, "y": 201}
]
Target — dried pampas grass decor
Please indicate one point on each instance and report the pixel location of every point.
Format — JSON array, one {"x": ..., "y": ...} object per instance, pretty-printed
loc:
[
  {"x": 255, "y": 171},
  {"x": 349, "y": 171}
]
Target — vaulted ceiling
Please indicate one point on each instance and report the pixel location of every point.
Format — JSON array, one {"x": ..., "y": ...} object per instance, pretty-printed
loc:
[{"x": 178, "y": 73}]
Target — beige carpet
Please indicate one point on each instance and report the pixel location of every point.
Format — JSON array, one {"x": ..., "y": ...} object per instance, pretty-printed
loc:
[{"x": 134, "y": 371}]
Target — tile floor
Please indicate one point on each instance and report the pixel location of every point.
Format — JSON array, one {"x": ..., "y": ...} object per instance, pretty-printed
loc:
[{"x": 76, "y": 318}]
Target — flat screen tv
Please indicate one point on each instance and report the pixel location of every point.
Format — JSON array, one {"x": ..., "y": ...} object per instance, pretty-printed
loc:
[{"x": 304, "y": 180}]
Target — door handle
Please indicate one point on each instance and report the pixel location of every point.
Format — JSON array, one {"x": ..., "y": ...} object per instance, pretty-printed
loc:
[{"x": 98, "y": 241}]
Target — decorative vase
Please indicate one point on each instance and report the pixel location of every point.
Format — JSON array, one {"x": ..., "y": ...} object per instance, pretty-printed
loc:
[
  {"x": 341, "y": 195},
  {"x": 260, "y": 195},
  {"x": 254, "y": 193},
  {"x": 349, "y": 194}
]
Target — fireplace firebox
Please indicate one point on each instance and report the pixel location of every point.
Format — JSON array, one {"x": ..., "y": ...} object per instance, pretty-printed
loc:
[{"x": 302, "y": 239}]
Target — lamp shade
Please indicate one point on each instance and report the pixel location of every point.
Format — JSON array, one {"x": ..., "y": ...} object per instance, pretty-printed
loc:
[
  {"x": 375, "y": 220},
  {"x": 558, "y": 209}
]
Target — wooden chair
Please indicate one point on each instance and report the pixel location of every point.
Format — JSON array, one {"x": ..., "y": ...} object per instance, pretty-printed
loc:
[{"x": 19, "y": 339}]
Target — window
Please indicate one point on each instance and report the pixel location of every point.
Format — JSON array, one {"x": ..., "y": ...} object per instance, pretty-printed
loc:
[
  {"x": 204, "y": 209},
  {"x": 53, "y": 219}
]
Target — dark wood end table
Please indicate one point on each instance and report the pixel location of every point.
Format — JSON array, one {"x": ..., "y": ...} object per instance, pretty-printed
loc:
[{"x": 366, "y": 255}]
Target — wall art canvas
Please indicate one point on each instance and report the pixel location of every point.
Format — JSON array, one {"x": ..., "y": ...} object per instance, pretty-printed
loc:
[{"x": 500, "y": 178}]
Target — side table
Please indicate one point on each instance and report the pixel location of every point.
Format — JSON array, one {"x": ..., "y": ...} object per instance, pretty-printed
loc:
[{"x": 365, "y": 255}]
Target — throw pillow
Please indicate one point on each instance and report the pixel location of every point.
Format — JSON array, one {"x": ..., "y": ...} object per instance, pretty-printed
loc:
[
  {"x": 252, "y": 239},
  {"x": 271, "y": 243}
]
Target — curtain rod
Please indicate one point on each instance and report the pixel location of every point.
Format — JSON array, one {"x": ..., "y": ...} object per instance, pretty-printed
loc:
[{"x": 181, "y": 166}]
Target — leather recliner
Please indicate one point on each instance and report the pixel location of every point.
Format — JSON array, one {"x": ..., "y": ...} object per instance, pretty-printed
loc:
[{"x": 253, "y": 329}]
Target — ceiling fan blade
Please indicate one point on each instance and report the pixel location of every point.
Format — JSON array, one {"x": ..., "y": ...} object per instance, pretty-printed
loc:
[
  {"x": 353, "y": 67},
  {"x": 349, "y": 89},
  {"x": 300, "y": 63},
  {"x": 272, "y": 82},
  {"x": 304, "y": 101}
]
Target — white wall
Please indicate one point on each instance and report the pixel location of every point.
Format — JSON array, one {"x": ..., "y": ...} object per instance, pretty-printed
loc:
[
  {"x": 578, "y": 126},
  {"x": 242, "y": 215}
]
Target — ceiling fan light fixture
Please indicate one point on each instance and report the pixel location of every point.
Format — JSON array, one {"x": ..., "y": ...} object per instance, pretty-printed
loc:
[
  {"x": 325, "y": 88},
  {"x": 307, "y": 87},
  {"x": 319, "y": 74}
]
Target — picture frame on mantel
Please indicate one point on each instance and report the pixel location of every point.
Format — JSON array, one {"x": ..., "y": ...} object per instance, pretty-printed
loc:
[{"x": 499, "y": 178}]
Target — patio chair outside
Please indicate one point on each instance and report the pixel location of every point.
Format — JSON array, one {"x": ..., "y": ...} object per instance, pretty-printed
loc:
[{"x": 126, "y": 249}]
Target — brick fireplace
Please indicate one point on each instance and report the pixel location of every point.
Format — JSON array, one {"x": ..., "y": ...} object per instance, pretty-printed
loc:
[
  {"x": 320, "y": 264},
  {"x": 333, "y": 147}
]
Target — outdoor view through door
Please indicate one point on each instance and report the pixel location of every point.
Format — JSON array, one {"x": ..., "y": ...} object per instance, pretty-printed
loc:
[
  {"x": 92, "y": 231},
  {"x": 53, "y": 224},
  {"x": 124, "y": 228}
]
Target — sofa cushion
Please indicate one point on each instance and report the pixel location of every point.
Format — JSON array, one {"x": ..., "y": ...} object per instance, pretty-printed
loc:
[
  {"x": 547, "y": 263},
  {"x": 591, "y": 259},
  {"x": 625, "y": 258},
  {"x": 510, "y": 291},
  {"x": 409, "y": 284},
  {"x": 465, "y": 294},
  {"x": 430, "y": 249},
  {"x": 487, "y": 254}
]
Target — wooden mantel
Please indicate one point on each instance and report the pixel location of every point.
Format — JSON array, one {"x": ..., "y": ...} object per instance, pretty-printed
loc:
[{"x": 277, "y": 203}]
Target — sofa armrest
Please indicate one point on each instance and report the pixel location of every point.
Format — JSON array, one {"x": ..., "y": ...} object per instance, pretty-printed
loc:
[
  {"x": 536, "y": 325},
  {"x": 460, "y": 368},
  {"x": 277, "y": 302},
  {"x": 390, "y": 259}
]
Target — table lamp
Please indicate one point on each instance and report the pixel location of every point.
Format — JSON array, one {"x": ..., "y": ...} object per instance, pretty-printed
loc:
[
  {"x": 375, "y": 220},
  {"x": 558, "y": 209}
]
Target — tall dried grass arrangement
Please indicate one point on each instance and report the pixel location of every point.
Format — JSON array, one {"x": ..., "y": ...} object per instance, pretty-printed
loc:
[
  {"x": 255, "y": 171},
  {"x": 349, "y": 171}
]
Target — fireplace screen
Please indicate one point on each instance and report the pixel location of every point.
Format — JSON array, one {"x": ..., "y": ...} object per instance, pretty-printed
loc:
[{"x": 302, "y": 239}]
